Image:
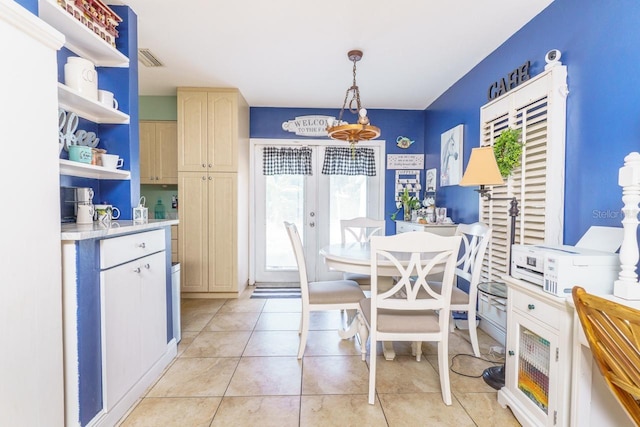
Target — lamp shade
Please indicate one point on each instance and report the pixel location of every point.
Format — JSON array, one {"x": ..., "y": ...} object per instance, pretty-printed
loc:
[{"x": 482, "y": 169}]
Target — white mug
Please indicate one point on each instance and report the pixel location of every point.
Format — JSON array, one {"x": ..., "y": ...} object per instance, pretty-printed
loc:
[
  {"x": 85, "y": 214},
  {"x": 106, "y": 98},
  {"x": 111, "y": 161}
]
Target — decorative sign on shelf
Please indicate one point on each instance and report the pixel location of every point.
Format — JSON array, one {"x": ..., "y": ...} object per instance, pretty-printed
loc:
[
  {"x": 308, "y": 125},
  {"x": 405, "y": 161},
  {"x": 513, "y": 79}
]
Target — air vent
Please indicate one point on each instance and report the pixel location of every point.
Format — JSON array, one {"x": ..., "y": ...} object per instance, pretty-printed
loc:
[{"x": 148, "y": 59}]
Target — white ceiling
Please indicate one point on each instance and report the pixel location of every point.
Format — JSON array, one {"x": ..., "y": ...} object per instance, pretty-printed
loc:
[{"x": 293, "y": 53}]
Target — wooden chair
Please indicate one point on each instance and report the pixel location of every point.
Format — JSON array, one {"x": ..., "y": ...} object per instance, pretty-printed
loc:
[
  {"x": 613, "y": 333},
  {"x": 475, "y": 238},
  {"x": 398, "y": 314},
  {"x": 321, "y": 295},
  {"x": 360, "y": 230}
]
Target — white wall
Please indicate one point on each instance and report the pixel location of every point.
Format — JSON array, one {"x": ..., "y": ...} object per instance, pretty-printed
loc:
[{"x": 31, "y": 376}]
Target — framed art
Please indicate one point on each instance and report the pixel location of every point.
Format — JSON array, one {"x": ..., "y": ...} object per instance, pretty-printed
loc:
[
  {"x": 451, "y": 143},
  {"x": 430, "y": 182}
]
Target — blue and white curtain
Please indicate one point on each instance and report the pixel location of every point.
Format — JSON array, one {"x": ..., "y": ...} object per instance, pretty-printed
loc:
[
  {"x": 286, "y": 161},
  {"x": 349, "y": 161}
]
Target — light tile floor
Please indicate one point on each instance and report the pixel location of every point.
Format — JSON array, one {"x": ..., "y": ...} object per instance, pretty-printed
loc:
[{"x": 237, "y": 366}]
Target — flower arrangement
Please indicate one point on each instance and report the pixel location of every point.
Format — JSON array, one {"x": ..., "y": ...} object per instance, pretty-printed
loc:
[{"x": 408, "y": 203}]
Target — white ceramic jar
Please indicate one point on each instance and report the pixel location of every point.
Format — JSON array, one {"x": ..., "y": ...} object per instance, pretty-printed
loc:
[{"x": 80, "y": 75}]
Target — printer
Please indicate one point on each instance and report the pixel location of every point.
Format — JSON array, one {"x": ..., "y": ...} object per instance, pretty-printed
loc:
[{"x": 558, "y": 268}]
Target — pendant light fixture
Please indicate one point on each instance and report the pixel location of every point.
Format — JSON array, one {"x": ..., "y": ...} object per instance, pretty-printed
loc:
[{"x": 362, "y": 130}]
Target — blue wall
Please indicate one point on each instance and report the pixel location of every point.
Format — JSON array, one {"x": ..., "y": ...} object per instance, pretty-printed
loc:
[
  {"x": 267, "y": 123},
  {"x": 599, "y": 45}
]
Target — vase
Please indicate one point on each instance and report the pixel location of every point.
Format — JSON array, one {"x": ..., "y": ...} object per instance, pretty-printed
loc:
[{"x": 407, "y": 212}]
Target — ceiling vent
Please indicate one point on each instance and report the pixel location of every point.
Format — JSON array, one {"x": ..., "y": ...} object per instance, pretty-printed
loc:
[{"x": 148, "y": 59}]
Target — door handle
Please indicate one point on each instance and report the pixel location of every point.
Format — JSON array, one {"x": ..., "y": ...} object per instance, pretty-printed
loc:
[{"x": 312, "y": 224}]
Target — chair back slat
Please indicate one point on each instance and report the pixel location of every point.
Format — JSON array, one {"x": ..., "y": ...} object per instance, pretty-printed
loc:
[
  {"x": 298, "y": 250},
  {"x": 612, "y": 332},
  {"x": 361, "y": 228},
  {"x": 415, "y": 256}
]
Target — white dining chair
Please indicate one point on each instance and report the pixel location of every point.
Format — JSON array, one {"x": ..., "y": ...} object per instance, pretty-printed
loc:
[
  {"x": 360, "y": 230},
  {"x": 398, "y": 314},
  {"x": 475, "y": 238},
  {"x": 322, "y": 295}
]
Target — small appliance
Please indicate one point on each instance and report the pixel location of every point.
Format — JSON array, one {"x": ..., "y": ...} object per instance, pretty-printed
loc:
[
  {"x": 70, "y": 198},
  {"x": 558, "y": 268}
]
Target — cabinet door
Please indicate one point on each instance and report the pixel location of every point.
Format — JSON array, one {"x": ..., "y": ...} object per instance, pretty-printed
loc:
[
  {"x": 532, "y": 368},
  {"x": 222, "y": 110},
  {"x": 193, "y": 231},
  {"x": 166, "y": 153},
  {"x": 121, "y": 331},
  {"x": 153, "y": 309},
  {"x": 192, "y": 131},
  {"x": 223, "y": 246},
  {"x": 147, "y": 152}
]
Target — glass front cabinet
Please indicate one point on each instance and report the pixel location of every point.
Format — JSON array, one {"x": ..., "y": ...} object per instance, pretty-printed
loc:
[{"x": 538, "y": 356}]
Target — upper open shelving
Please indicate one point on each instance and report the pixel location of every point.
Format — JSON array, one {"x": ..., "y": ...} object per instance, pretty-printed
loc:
[
  {"x": 97, "y": 112},
  {"x": 80, "y": 39},
  {"x": 85, "y": 170}
]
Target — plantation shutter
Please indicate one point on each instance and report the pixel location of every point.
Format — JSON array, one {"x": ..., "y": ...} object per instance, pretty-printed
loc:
[{"x": 538, "y": 109}]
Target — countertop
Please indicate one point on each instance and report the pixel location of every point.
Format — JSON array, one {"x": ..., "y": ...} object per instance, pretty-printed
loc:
[{"x": 97, "y": 230}]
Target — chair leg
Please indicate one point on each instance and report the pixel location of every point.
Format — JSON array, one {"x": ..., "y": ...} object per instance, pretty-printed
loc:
[
  {"x": 373, "y": 356},
  {"x": 304, "y": 331},
  {"x": 416, "y": 350},
  {"x": 443, "y": 366},
  {"x": 473, "y": 334},
  {"x": 363, "y": 332}
]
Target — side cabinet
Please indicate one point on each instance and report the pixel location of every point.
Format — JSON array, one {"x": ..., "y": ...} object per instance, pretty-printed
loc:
[
  {"x": 158, "y": 152},
  {"x": 538, "y": 361}
]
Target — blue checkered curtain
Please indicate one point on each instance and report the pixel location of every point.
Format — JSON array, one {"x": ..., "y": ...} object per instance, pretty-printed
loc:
[
  {"x": 286, "y": 161},
  {"x": 346, "y": 161}
]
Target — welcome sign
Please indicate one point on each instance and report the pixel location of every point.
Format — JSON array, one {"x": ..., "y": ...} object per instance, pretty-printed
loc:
[{"x": 308, "y": 125}]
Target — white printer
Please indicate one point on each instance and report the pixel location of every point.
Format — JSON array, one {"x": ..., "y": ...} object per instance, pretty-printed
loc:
[{"x": 558, "y": 268}]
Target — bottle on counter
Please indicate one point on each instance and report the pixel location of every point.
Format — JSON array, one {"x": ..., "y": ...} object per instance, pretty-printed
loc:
[{"x": 159, "y": 211}]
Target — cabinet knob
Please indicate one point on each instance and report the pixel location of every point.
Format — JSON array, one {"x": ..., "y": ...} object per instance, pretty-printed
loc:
[
  {"x": 157, "y": 179},
  {"x": 531, "y": 306},
  {"x": 204, "y": 178},
  {"x": 147, "y": 266},
  {"x": 511, "y": 353},
  {"x": 136, "y": 270},
  {"x": 142, "y": 245},
  {"x": 210, "y": 165},
  {"x": 204, "y": 165},
  {"x": 210, "y": 178}
]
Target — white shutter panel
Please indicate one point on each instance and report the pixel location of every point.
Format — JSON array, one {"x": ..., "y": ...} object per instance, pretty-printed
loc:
[{"x": 538, "y": 109}]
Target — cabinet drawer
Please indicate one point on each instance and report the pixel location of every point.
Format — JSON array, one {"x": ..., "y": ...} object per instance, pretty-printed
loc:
[
  {"x": 536, "y": 308},
  {"x": 119, "y": 250},
  {"x": 405, "y": 227}
]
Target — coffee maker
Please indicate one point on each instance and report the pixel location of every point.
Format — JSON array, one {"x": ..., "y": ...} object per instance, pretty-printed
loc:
[{"x": 70, "y": 198}]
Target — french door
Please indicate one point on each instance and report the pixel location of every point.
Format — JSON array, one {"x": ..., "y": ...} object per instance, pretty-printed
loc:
[{"x": 315, "y": 203}]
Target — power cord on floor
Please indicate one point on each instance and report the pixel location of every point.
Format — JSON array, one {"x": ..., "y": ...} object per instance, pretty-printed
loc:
[{"x": 494, "y": 352}]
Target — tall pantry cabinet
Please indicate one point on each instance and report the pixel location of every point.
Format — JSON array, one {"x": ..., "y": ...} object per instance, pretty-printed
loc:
[{"x": 213, "y": 189}]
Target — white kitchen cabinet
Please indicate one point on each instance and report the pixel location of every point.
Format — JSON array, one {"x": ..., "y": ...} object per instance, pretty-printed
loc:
[
  {"x": 538, "y": 356},
  {"x": 440, "y": 229},
  {"x": 133, "y": 306}
]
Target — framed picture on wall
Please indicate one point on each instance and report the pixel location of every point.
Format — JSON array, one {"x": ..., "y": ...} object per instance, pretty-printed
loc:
[
  {"x": 431, "y": 180},
  {"x": 451, "y": 143}
]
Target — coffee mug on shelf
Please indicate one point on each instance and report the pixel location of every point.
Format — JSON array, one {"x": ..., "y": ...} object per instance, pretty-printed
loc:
[
  {"x": 85, "y": 214},
  {"x": 106, "y": 98},
  {"x": 111, "y": 161},
  {"x": 105, "y": 213}
]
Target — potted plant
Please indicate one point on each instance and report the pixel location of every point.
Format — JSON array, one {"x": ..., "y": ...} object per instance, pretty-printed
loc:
[
  {"x": 408, "y": 203},
  {"x": 508, "y": 151}
]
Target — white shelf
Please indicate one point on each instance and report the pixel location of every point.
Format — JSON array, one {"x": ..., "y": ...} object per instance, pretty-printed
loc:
[
  {"x": 80, "y": 39},
  {"x": 85, "y": 170},
  {"x": 71, "y": 100}
]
